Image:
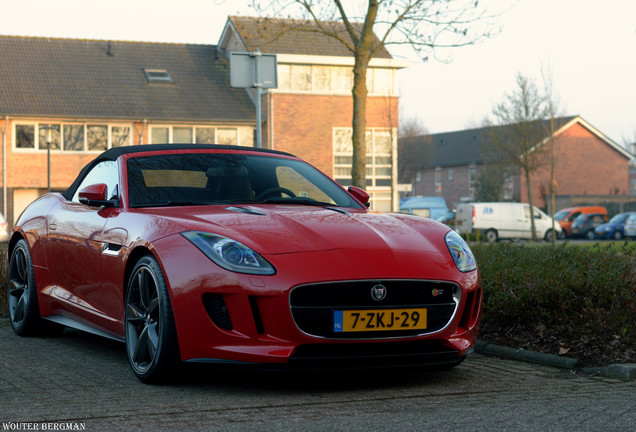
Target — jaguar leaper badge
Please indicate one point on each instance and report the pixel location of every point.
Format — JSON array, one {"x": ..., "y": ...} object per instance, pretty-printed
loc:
[{"x": 378, "y": 292}]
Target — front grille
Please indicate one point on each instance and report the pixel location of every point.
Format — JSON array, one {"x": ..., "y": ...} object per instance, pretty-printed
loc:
[{"x": 313, "y": 306}]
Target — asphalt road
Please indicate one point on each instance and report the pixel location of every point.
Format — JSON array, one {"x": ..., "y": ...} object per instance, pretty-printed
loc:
[{"x": 82, "y": 382}]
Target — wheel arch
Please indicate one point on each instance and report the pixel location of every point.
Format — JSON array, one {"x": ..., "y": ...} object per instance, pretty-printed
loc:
[{"x": 133, "y": 258}]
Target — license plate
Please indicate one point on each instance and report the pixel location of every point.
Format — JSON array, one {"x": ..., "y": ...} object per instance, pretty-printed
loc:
[{"x": 379, "y": 320}]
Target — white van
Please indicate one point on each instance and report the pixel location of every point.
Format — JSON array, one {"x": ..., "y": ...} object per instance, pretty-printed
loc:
[{"x": 503, "y": 221}]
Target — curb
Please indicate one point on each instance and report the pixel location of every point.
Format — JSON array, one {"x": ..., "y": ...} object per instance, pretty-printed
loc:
[{"x": 626, "y": 372}]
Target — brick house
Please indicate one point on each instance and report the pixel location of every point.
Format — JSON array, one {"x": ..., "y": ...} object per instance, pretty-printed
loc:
[
  {"x": 587, "y": 163},
  {"x": 310, "y": 113},
  {"x": 99, "y": 94}
]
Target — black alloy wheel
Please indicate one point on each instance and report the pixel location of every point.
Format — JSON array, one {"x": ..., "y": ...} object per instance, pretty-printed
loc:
[
  {"x": 24, "y": 313},
  {"x": 151, "y": 337}
]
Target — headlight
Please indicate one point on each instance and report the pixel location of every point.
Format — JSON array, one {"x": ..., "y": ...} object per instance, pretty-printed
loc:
[
  {"x": 230, "y": 254},
  {"x": 461, "y": 253}
]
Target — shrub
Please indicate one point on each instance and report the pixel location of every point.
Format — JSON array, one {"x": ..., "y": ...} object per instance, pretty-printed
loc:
[{"x": 579, "y": 301}]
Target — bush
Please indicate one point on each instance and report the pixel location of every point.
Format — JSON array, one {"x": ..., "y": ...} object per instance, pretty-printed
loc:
[{"x": 568, "y": 300}]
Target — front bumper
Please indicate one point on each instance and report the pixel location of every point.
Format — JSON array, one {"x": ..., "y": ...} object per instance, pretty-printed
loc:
[{"x": 225, "y": 317}]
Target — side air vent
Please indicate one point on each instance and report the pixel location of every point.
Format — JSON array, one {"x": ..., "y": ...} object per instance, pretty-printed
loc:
[{"x": 217, "y": 311}]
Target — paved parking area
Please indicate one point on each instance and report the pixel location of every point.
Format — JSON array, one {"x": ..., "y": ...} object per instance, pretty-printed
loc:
[{"x": 83, "y": 382}]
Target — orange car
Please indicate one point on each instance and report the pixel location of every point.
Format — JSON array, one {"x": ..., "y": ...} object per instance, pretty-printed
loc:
[{"x": 566, "y": 216}]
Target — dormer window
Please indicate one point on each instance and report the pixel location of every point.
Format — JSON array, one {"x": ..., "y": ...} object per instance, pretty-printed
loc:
[{"x": 158, "y": 76}]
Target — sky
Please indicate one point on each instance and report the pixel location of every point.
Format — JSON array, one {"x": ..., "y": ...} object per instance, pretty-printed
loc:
[{"x": 588, "y": 46}]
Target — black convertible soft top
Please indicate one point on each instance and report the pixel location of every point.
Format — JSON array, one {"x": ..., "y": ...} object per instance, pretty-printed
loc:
[{"x": 113, "y": 153}]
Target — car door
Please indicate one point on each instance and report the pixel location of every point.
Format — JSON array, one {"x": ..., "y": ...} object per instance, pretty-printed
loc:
[
  {"x": 74, "y": 251},
  {"x": 524, "y": 224}
]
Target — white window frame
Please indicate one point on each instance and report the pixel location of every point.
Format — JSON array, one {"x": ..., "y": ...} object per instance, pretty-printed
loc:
[{"x": 41, "y": 147}]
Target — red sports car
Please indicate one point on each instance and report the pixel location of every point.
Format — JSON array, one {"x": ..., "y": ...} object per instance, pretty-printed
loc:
[{"x": 225, "y": 254}]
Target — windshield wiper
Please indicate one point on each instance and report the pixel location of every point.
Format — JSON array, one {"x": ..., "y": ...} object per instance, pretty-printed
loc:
[
  {"x": 297, "y": 200},
  {"x": 179, "y": 203}
]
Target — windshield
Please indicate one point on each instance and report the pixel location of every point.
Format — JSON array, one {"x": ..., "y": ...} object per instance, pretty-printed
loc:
[
  {"x": 561, "y": 215},
  {"x": 229, "y": 178},
  {"x": 619, "y": 218}
]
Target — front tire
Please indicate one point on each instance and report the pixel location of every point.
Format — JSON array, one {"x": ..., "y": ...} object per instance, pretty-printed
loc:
[
  {"x": 549, "y": 234},
  {"x": 24, "y": 313},
  {"x": 151, "y": 337},
  {"x": 618, "y": 235},
  {"x": 491, "y": 236}
]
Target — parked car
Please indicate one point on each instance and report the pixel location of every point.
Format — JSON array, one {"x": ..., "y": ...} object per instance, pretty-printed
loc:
[
  {"x": 447, "y": 218},
  {"x": 4, "y": 229},
  {"x": 503, "y": 220},
  {"x": 425, "y": 206},
  {"x": 585, "y": 224},
  {"x": 630, "y": 226},
  {"x": 566, "y": 217},
  {"x": 614, "y": 229},
  {"x": 236, "y": 255}
]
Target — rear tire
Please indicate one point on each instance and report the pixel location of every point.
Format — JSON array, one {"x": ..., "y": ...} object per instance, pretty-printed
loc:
[
  {"x": 151, "y": 336},
  {"x": 492, "y": 236}
]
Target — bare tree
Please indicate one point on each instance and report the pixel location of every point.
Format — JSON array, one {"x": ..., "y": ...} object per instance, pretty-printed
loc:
[
  {"x": 413, "y": 141},
  {"x": 424, "y": 25},
  {"x": 551, "y": 102},
  {"x": 518, "y": 138}
]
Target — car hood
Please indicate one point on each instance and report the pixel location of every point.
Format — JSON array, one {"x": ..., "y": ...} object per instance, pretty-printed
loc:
[{"x": 279, "y": 229}]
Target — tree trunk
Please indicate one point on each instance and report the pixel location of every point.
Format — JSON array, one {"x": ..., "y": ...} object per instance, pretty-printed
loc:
[
  {"x": 533, "y": 228},
  {"x": 359, "y": 166}
]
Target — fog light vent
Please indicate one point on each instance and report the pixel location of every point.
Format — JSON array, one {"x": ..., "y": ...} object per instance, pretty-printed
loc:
[{"x": 216, "y": 309}]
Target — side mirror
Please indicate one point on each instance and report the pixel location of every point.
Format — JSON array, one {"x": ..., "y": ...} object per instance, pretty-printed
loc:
[
  {"x": 360, "y": 194},
  {"x": 95, "y": 196}
]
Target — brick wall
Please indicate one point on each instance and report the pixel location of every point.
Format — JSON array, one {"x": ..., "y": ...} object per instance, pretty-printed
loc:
[
  {"x": 585, "y": 165},
  {"x": 303, "y": 124}
]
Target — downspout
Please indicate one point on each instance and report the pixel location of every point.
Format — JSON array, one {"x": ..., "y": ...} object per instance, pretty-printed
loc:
[
  {"x": 4, "y": 167},
  {"x": 271, "y": 120}
]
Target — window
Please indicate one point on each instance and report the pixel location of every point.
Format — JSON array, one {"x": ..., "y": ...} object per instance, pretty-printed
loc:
[
  {"x": 25, "y": 136},
  {"x": 227, "y": 136},
  {"x": 104, "y": 172},
  {"x": 508, "y": 190},
  {"x": 49, "y": 135},
  {"x": 382, "y": 81},
  {"x": 120, "y": 136},
  {"x": 97, "y": 137},
  {"x": 205, "y": 135},
  {"x": 182, "y": 135},
  {"x": 450, "y": 174},
  {"x": 69, "y": 137},
  {"x": 74, "y": 137},
  {"x": 438, "y": 181},
  {"x": 284, "y": 77},
  {"x": 301, "y": 78},
  {"x": 343, "y": 79},
  {"x": 379, "y": 148},
  {"x": 158, "y": 76},
  {"x": 324, "y": 79}
]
